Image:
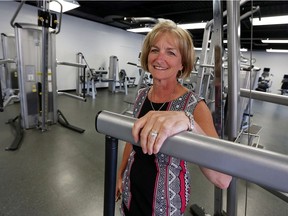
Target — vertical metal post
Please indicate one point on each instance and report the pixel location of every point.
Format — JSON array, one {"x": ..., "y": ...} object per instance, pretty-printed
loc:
[
  {"x": 1, "y": 99},
  {"x": 233, "y": 67},
  {"x": 113, "y": 70},
  {"x": 202, "y": 71},
  {"x": 80, "y": 77},
  {"x": 44, "y": 67},
  {"x": 111, "y": 152},
  {"x": 233, "y": 21},
  {"x": 217, "y": 40}
]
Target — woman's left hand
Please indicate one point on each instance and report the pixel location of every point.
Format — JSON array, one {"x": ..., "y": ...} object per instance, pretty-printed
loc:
[{"x": 154, "y": 128}]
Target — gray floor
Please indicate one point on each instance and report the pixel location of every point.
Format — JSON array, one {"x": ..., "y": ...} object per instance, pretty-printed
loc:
[{"x": 61, "y": 172}]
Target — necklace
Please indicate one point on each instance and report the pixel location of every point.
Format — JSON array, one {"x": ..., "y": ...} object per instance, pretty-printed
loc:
[
  {"x": 159, "y": 108},
  {"x": 163, "y": 103}
]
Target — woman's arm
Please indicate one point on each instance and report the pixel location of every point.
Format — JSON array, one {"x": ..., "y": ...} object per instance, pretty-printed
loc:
[{"x": 205, "y": 126}]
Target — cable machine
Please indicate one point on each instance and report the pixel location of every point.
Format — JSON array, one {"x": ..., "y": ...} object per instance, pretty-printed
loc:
[{"x": 36, "y": 65}]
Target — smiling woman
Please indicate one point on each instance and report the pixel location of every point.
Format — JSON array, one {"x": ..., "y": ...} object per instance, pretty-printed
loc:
[{"x": 153, "y": 183}]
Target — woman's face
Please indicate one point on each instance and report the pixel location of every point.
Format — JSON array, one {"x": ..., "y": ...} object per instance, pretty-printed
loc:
[{"x": 164, "y": 58}]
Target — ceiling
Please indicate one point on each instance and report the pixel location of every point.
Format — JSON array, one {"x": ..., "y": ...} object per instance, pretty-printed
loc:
[{"x": 112, "y": 13}]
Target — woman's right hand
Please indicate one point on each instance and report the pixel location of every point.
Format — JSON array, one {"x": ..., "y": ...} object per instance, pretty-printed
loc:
[{"x": 118, "y": 193}]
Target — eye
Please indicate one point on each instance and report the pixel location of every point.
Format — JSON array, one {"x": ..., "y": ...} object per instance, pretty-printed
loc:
[
  {"x": 154, "y": 50},
  {"x": 171, "y": 53}
]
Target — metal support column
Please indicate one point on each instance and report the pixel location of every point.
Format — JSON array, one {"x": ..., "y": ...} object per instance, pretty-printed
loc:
[
  {"x": 44, "y": 67},
  {"x": 111, "y": 152},
  {"x": 233, "y": 24},
  {"x": 217, "y": 40}
]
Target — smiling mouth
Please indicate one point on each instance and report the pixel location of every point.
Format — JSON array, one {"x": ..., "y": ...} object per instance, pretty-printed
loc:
[{"x": 159, "y": 67}]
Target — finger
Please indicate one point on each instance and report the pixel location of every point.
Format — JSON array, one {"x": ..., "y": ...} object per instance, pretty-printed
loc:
[
  {"x": 137, "y": 127},
  {"x": 146, "y": 123},
  {"x": 154, "y": 133},
  {"x": 166, "y": 130},
  {"x": 158, "y": 143},
  {"x": 162, "y": 136},
  {"x": 151, "y": 141},
  {"x": 144, "y": 136},
  {"x": 118, "y": 197}
]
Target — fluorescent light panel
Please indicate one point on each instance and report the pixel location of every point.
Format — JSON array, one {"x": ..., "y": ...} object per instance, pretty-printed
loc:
[
  {"x": 277, "y": 50},
  {"x": 275, "y": 41},
  {"x": 139, "y": 30},
  {"x": 184, "y": 26},
  {"x": 276, "y": 20},
  {"x": 224, "y": 41},
  {"x": 66, "y": 4},
  {"x": 200, "y": 48},
  {"x": 193, "y": 25}
]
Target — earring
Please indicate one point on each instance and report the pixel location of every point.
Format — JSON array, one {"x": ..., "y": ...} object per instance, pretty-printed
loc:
[{"x": 179, "y": 74}]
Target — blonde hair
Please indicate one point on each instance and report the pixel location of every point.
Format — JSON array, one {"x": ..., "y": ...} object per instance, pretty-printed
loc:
[{"x": 184, "y": 40}]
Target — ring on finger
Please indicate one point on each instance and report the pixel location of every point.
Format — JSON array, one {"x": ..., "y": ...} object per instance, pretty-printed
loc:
[{"x": 153, "y": 133}]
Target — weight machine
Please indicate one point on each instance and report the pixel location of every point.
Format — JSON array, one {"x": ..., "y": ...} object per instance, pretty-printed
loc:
[
  {"x": 9, "y": 76},
  {"x": 86, "y": 82},
  {"x": 36, "y": 65},
  {"x": 113, "y": 71},
  {"x": 143, "y": 81},
  {"x": 210, "y": 79},
  {"x": 264, "y": 81},
  {"x": 284, "y": 85}
]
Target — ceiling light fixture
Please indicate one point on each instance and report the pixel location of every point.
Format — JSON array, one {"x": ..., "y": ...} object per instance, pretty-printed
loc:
[
  {"x": 201, "y": 25},
  {"x": 184, "y": 26},
  {"x": 241, "y": 49},
  {"x": 275, "y": 20},
  {"x": 277, "y": 50},
  {"x": 66, "y": 4},
  {"x": 224, "y": 41},
  {"x": 139, "y": 30},
  {"x": 200, "y": 48},
  {"x": 274, "y": 41}
]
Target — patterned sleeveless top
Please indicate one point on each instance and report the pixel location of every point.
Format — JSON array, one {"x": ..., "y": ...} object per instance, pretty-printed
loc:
[{"x": 156, "y": 185}]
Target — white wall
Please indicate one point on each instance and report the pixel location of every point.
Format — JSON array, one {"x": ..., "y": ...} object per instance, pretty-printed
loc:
[
  {"x": 278, "y": 64},
  {"x": 96, "y": 41}
]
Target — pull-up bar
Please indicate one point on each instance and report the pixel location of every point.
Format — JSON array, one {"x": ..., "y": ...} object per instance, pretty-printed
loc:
[{"x": 259, "y": 166}]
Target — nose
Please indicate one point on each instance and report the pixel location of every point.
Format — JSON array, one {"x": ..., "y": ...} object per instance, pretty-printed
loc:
[{"x": 160, "y": 56}]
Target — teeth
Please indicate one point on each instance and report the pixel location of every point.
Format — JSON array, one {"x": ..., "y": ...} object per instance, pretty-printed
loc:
[{"x": 159, "y": 68}]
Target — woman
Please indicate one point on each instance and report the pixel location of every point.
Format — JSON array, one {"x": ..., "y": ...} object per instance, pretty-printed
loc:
[{"x": 153, "y": 183}]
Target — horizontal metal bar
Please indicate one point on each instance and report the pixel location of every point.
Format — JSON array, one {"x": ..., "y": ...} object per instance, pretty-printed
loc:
[
  {"x": 11, "y": 98},
  {"x": 71, "y": 64},
  {"x": 3, "y": 61},
  {"x": 255, "y": 165},
  {"x": 264, "y": 96},
  {"x": 71, "y": 95}
]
